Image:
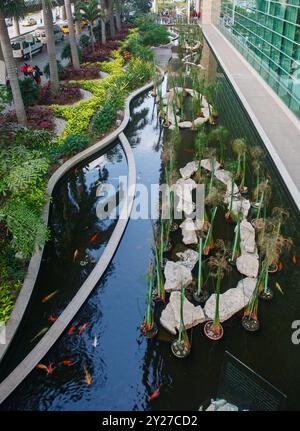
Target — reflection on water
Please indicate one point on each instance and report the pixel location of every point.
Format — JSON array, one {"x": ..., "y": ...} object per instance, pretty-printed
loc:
[{"x": 126, "y": 368}]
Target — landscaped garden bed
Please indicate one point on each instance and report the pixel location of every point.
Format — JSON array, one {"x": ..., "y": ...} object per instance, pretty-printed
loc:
[{"x": 35, "y": 152}]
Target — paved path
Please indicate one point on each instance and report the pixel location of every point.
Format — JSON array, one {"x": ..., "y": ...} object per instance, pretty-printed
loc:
[{"x": 277, "y": 126}]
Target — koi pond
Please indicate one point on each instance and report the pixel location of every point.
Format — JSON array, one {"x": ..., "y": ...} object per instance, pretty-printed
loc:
[{"x": 118, "y": 351}]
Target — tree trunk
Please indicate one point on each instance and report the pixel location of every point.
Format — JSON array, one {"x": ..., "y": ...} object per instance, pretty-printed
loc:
[
  {"x": 48, "y": 21},
  {"x": 92, "y": 37},
  {"x": 78, "y": 20},
  {"x": 112, "y": 26},
  {"x": 16, "y": 26},
  {"x": 11, "y": 71},
  {"x": 103, "y": 32},
  {"x": 72, "y": 37},
  {"x": 118, "y": 21},
  {"x": 118, "y": 14}
]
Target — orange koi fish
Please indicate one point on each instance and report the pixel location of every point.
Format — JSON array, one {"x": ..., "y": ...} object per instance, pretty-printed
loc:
[
  {"x": 83, "y": 328},
  {"x": 188, "y": 150},
  {"x": 46, "y": 298},
  {"x": 88, "y": 377},
  {"x": 155, "y": 394},
  {"x": 52, "y": 318},
  {"x": 42, "y": 367},
  {"x": 67, "y": 362},
  {"x": 280, "y": 266},
  {"x": 294, "y": 260},
  {"x": 94, "y": 237},
  {"x": 75, "y": 255},
  {"x": 72, "y": 329}
]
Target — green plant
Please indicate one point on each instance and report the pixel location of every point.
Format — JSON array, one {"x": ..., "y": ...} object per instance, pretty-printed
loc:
[
  {"x": 72, "y": 144},
  {"x": 30, "y": 91},
  {"x": 84, "y": 41},
  {"x": 66, "y": 52},
  {"x": 5, "y": 97},
  {"x": 61, "y": 71},
  {"x": 104, "y": 118},
  {"x": 28, "y": 230}
]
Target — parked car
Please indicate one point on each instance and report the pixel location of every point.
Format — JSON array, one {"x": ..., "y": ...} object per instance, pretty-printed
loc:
[
  {"x": 8, "y": 22},
  {"x": 28, "y": 22},
  {"x": 22, "y": 46},
  {"x": 40, "y": 33},
  {"x": 64, "y": 27}
]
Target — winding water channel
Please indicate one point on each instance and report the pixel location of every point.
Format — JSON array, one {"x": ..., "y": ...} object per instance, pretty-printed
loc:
[{"x": 125, "y": 367}]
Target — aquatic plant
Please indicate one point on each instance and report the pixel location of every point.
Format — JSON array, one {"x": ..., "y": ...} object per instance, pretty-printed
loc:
[
  {"x": 149, "y": 328},
  {"x": 219, "y": 266},
  {"x": 182, "y": 346},
  {"x": 219, "y": 137},
  {"x": 236, "y": 249},
  {"x": 200, "y": 295},
  {"x": 256, "y": 154},
  {"x": 214, "y": 199},
  {"x": 239, "y": 147},
  {"x": 261, "y": 197}
]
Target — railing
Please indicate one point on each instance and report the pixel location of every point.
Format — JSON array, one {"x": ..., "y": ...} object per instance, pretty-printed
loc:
[{"x": 285, "y": 87}]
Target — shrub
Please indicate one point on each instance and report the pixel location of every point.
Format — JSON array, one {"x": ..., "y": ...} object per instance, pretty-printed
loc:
[
  {"x": 66, "y": 53},
  {"x": 84, "y": 41},
  {"x": 35, "y": 139},
  {"x": 137, "y": 49},
  {"x": 71, "y": 145},
  {"x": 37, "y": 118},
  {"x": 85, "y": 72},
  {"x": 30, "y": 91},
  {"x": 66, "y": 94},
  {"x": 40, "y": 118},
  {"x": 27, "y": 228},
  {"x": 138, "y": 73},
  {"x": 61, "y": 71},
  {"x": 104, "y": 118}
]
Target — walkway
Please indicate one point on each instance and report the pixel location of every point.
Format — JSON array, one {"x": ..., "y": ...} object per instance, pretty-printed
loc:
[{"x": 277, "y": 126}]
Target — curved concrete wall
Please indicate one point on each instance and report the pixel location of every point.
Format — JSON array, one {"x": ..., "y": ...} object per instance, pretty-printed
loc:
[{"x": 40, "y": 350}]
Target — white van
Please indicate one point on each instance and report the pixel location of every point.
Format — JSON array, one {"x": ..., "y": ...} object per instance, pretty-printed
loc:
[
  {"x": 40, "y": 33},
  {"x": 25, "y": 45}
]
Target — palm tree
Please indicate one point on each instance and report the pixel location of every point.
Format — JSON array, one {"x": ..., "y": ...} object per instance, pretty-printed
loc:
[
  {"x": 48, "y": 20},
  {"x": 11, "y": 8},
  {"x": 91, "y": 11},
  {"x": 118, "y": 14},
  {"x": 109, "y": 7},
  {"x": 72, "y": 37}
]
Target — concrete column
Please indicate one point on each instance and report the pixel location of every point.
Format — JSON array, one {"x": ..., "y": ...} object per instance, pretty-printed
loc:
[
  {"x": 62, "y": 13},
  {"x": 16, "y": 26},
  {"x": 211, "y": 11},
  {"x": 198, "y": 6},
  {"x": 155, "y": 6}
]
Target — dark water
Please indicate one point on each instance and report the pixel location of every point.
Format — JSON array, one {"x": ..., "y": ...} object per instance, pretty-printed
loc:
[{"x": 125, "y": 367}]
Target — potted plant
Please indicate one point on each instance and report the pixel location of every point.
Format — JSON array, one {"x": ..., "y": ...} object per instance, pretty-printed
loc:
[
  {"x": 219, "y": 136},
  {"x": 214, "y": 199},
  {"x": 219, "y": 266},
  {"x": 149, "y": 328},
  {"x": 200, "y": 295},
  {"x": 181, "y": 347},
  {"x": 261, "y": 197},
  {"x": 239, "y": 147}
]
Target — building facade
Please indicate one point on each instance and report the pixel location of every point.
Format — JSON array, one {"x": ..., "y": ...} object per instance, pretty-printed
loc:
[{"x": 267, "y": 33}]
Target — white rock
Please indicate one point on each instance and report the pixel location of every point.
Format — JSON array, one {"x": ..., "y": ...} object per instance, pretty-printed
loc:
[
  {"x": 208, "y": 165},
  {"x": 232, "y": 301},
  {"x": 167, "y": 319},
  {"x": 241, "y": 204},
  {"x": 192, "y": 315},
  {"x": 200, "y": 120},
  {"x": 189, "y": 232},
  {"x": 185, "y": 125},
  {"x": 189, "y": 169},
  {"x": 247, "y": 233},
  {"x": 188, "y": 258},
  {"x": 183, "y": 190},
  {"x": 248, "y": 265},
  {"x": 177, "y": 276}
]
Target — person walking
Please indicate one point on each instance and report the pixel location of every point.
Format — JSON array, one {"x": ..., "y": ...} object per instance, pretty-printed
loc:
[
  {"x": 24, "y": 69},
  {"x": 37, "y": 74}
]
